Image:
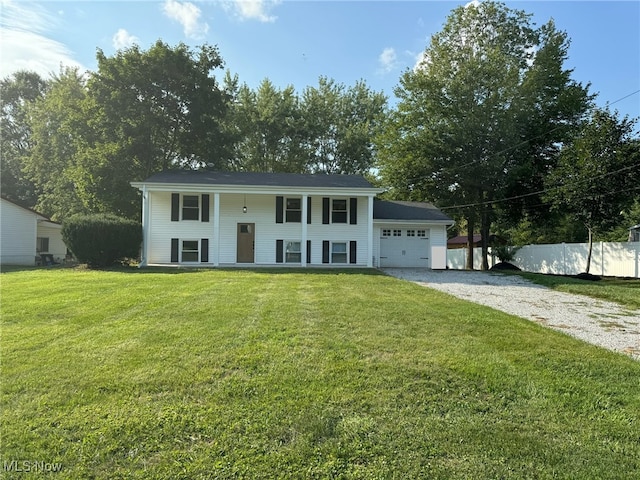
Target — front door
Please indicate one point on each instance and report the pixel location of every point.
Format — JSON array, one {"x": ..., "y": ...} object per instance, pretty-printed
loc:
[{"x": 246, "y": 242}]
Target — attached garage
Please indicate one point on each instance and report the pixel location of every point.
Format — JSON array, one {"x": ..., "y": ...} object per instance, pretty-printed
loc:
[{"x": 409, "y": 235}]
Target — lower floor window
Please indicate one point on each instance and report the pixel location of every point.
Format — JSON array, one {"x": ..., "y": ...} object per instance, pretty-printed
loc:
[
  {"x": 42, "y": 244},
  {"x": 339, "y": 252},
  {"x": 293, "y": 253},
  {"x": 190, "y": 250}
]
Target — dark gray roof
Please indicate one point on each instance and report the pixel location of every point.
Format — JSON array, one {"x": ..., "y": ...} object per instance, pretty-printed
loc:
[
  {"x": 259, "y": 179},
  {"x": 398, "y": 210}
]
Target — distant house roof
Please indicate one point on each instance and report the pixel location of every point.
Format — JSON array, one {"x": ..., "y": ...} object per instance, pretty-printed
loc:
[
  {"x": 399, "y": 210},
  {"x": 202, "y": 177},
  {"x": 39, "y": 215}
]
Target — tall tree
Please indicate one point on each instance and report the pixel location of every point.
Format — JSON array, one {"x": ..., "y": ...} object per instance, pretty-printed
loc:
[
  {"x": 17, "y": 93},
  {"x": 152, "y": 110},
  {"x": 270, "y": 129},
  {"x": 481, "y": 113},
  {"x": 597, "y": 174},
  {"x": 341, "y": 124},
  {"x": 58, "y": 131}
]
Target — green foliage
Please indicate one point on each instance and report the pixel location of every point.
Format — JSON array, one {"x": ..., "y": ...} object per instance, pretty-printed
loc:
[
  {"x": 487, "y": 81},
  {"x": 150, "y": 111},
  {"x": 102, "y": 240},
  {"x": 59, "y": 132},
  {"x": 504, "y": 253},
  {"x": 17, "y": 93},
  {"x": 321, "y": 374}
]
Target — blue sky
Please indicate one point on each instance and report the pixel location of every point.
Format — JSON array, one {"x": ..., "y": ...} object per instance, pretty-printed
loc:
[{"x": 295, "y": 42}]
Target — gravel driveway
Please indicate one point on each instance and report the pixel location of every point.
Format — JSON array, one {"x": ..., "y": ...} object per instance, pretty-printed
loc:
[{"x": 595, "y": 321}]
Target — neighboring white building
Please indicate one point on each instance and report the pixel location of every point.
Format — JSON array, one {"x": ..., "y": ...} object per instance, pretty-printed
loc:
[
  {"x": 218, "y": 219},
  {"x": 26, "y": 234}
]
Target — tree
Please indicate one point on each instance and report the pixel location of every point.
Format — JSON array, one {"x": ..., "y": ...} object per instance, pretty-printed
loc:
[
  {"x": 597, "y": 174},
  {"x": 270, "y": 133},
  {"x": 479, "y": 117},
  {"x": 150, "y": 111},
  {"x": 17, "y": 92},
  {"x": 340, "y": 124},
  {"x": 58, "y": 127}
]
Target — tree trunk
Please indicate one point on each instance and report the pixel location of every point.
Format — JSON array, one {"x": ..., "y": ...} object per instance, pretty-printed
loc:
[
  {"x": 590, "y": 250},
  {"x": 484, "y": 231},
  {"x": 470, "y": 228}
]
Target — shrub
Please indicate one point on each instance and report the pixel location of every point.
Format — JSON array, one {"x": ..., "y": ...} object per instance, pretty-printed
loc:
[
  {"x": 102, "y": 240},
  {"x": 504, "y": 252}
]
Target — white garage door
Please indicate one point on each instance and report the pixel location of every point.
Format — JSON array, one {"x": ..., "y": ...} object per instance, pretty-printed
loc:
[{"x": 404, "y": 247}]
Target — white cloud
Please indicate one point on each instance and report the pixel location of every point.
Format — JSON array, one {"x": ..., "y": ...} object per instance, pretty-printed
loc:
[
  {"x": 253, "y": 9},
  {"x": 188, "y": 15},
  {"x": 388, "y": 60},
  {"x": 25, "y": 42},
  {"x": 123, "y": 39}
]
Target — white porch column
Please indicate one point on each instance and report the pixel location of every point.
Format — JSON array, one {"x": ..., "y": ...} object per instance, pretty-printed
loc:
[
  {"x": 303, "y": 239},
  {"x": 370, "y": 233},
  {"x": 216, "y": 229},
  {"x": 145, "y": 227}
]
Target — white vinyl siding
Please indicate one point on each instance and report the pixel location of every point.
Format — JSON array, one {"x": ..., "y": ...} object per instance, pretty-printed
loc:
[
  {"x": 261, "y": 212},
  {"x": 18, "y": 235}
]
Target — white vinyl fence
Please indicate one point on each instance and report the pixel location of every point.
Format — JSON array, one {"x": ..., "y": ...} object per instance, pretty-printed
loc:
[{"x": 611, "y": 259}]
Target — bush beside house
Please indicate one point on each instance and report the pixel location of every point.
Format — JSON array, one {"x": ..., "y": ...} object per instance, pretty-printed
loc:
[{"x": 102, "y": 240}]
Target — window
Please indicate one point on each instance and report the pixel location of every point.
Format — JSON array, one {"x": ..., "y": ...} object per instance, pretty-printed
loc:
[
  {"x": 422, "y": 233},
  {"x": 42, "y": 244},
  {"x": 190, "y": 250},
  {"x": 386, "y": 232},
  {"x": 339, "y": 252},
  {"x": 190, "y": 207},
  {"x": 294, "y": 210},
  {"x": 292, "y": 252},
  {"x": 411, "y": 233},
  {"x": 397, "y": 233},
  {"x": 339, "y": 211}
]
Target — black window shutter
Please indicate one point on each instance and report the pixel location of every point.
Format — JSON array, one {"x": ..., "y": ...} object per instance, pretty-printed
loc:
[
  {"x": 325, "y": 210},
  {"x": 175, "y": 207},
  {"x": 352, "y": 251},
  {"x": 353, "y": 211},
  {"x": 204, "y": 250},
  {"x": 325, "y": 251},
  {"x": 279, "y": 248},
  {"x": 205, "y": 207},
  {"x": 174, "y": 250},
  {"x": 308, "y": 251},
  {"x": 309, "y": 210},
  {"x": 279, "y": 209}
]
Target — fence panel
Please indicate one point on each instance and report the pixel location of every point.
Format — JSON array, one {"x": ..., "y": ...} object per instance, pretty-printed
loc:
[{"x": 612, "y": 259}]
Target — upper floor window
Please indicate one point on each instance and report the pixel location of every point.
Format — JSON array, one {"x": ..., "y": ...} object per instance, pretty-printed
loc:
[
  {"x": 190, "y": 207},
  {"x": 294, "y": 210},
  {"x": 339, "y": 210}
]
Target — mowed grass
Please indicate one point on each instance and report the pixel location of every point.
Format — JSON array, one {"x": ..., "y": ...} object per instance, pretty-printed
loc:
[
  {"x": 626, "y": 292},
  {"x": 289, "y": 374}
]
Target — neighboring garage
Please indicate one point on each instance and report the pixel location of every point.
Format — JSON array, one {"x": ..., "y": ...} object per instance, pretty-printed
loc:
[{"x": 409, "y": 234}]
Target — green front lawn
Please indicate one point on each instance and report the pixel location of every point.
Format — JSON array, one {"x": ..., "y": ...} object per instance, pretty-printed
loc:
[{"x": 290, "y": 374}]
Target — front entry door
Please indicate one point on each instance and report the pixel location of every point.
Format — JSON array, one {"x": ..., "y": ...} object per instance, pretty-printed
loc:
[{"x": 246, "y": 242}]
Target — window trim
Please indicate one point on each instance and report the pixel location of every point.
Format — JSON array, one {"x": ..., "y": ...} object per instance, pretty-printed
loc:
[
  {"x": 285, "y": 254},
  {"x": 190, "y": 208},
  {"x": 332, "y": 253},
  {"x": 345, "y": 211},
  {"x": 295, "y": 212},
  {"x": 182, "y": 250}
]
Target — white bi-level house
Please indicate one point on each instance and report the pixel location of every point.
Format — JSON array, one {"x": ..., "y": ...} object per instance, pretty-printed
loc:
[{"x": 207, "y": 218}]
